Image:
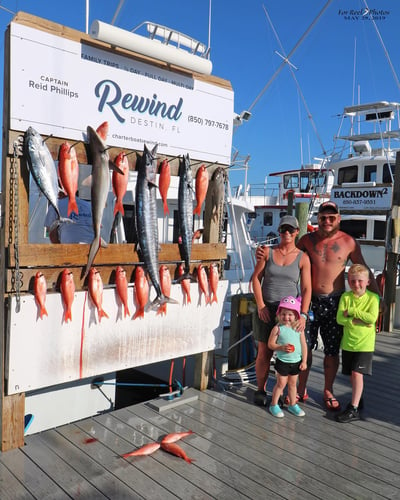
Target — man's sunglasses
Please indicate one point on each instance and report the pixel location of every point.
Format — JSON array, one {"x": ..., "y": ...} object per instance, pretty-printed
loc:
[
  {"x": 288, "y": 229},
  {"x": 330, "y": 218}
]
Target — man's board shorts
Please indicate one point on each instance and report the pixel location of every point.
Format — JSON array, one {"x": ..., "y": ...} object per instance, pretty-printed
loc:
[{"x": 324, "y": 308}]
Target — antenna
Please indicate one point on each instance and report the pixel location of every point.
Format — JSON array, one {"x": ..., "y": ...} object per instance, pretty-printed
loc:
[
  {"x": 300, "y": 93},
  {"x": 121, "y": 3},
  {"x": 288, "y": 56}
]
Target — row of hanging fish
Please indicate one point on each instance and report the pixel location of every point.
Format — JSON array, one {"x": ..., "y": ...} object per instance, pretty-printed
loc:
[
  {"x": 208, "y": 286},
  {"x": 46, "y": 176}
]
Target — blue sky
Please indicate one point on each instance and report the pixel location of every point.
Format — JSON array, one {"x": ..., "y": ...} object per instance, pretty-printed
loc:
[{"x": 280, "y": 134}]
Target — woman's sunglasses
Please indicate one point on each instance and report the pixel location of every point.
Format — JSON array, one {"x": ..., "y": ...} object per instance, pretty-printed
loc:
[{"x": 288, "y": 229}]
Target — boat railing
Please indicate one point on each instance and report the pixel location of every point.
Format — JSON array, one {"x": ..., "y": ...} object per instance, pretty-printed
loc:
[{"x": 169, "y": 36}]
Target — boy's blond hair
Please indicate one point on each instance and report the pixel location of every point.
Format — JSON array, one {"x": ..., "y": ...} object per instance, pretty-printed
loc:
[{"x": 358, "y": 268}]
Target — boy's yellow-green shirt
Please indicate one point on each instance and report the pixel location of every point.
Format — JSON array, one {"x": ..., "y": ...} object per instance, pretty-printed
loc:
[{"x": 358, "y": 338}]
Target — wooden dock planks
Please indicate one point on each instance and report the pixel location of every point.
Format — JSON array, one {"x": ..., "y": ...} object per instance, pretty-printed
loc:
[{"x": 239, "y": 450}]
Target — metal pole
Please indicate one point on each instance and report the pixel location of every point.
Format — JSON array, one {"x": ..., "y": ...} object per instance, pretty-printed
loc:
[{"x": 393, "y": 255}]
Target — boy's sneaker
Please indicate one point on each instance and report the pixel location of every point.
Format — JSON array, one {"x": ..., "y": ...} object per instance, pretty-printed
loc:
[
  {"x": 276, "y": 411},
  {"x": 349, "y": 414},
  {"x": 296, "y": 410},
  {"x": 260, "y": 398}
]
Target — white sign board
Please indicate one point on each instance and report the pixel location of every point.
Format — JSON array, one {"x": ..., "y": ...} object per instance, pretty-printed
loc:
[
  {"x": 60, "y": 86},
  {"x": 362, "y": 198},
  {"x": 87, "y": 347}
]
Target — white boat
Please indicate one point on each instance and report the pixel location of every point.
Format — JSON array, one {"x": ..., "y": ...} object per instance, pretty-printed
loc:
[
  {"x": 363, "y": 164},
  {"x": 309, "y": 184}
]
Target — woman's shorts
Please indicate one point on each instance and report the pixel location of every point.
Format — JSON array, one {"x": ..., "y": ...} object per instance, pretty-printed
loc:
[{"x": 261, "y": 330}]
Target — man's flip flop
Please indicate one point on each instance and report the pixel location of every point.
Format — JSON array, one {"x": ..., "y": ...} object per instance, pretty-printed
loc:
[{"x": 332, "y": 404}]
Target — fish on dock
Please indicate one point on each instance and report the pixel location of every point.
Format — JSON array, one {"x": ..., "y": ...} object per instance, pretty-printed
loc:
[
  {"x": 175, "y": 436},
  {"x": 147, "y": 449},
  {"x": 176, "y": 450}
]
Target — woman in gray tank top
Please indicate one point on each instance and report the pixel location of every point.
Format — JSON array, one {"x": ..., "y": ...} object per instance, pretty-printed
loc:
[{"x": 285, "y": 270}]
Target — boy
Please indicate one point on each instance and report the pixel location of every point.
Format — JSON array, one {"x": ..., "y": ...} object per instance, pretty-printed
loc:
[{"x": 358, "y": 312}]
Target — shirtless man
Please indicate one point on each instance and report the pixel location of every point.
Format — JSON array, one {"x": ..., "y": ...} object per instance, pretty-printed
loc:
[{"x": 329, "y": 250}]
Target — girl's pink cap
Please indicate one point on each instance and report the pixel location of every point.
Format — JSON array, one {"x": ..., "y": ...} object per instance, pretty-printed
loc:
[{"x": 292, "y": 303}]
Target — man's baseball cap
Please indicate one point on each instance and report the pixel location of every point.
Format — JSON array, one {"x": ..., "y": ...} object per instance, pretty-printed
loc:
[{"x": 328, "y": 206}]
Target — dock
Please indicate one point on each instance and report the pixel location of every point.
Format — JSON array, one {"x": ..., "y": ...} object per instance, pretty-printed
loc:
[{"x": 238, "y": 449}]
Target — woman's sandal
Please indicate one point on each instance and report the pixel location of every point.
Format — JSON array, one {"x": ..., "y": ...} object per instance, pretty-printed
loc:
[{"x": 332, "y": 404}]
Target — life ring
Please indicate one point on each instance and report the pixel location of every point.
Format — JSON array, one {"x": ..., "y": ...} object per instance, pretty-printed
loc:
[{"x": 286, "y": 195}]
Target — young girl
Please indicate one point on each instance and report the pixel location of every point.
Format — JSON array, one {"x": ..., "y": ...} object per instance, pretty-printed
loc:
[{"x": 291, "y": 351}]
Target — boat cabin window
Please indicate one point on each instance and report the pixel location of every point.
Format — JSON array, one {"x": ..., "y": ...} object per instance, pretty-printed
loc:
[
  {"x": 379, "y": 230},
  {"x": 347, "y": 174},
  {"x": 370, "y": 173},
  {"x": 268, "y": 219},
  {"x": 290, "y": 181},
  {"x": 306, "y": 183},
  {"x": 309, "y": 181},
  {"x": 356, "y": 228},
  {"x": 388, "y": 173}
]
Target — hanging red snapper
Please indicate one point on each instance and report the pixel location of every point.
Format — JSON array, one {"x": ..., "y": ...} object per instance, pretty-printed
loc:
[
  {"x": 213, "y": 279},
  {"x": 203, "y": 283},
  {"x": 163, "y": 183},
  {"x": 67, "y": 288},
  {"x": 201, "y": 188},
  {"x": 68, "y": 173},
  {"x": 165, "y": 283},
  {"x": 120, "y": 182},
  {"x": 185, "y": 284},
  {"x": 121, "y": 285},
  {"x": 95, "y": 285},
  {"x": 141, "y": 292},
  {"x": 102, "y": 130},
  {"x": 40, "y": 289}
]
